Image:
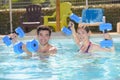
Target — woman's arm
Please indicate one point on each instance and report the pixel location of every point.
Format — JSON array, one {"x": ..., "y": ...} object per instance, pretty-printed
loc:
[
  {"x": 98, "y": 48},
  {"x": 75, "y": 36}
]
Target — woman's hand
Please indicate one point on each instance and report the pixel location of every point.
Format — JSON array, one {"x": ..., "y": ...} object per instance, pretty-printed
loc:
[
  {"x": 71, "y": 25},
  {"x": 107, "y": 36},
  {"x": 82, "y": 25}
]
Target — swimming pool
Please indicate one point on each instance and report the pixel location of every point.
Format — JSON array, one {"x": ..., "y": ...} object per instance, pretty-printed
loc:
[{"x": 66, "y": 65}]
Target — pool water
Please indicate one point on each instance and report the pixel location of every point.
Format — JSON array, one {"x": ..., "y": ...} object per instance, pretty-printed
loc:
[{"x": 67, "y": 64}]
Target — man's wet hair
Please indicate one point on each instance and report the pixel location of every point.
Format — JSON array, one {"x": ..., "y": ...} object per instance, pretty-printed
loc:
[{"x": 43, "y": 27}]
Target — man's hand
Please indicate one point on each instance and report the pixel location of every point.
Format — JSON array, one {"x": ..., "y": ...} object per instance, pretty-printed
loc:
[{"x": 13, "y": 36}]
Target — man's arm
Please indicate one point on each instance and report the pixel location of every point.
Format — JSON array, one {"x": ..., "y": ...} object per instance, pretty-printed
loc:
[
  {"x": 26, "y": 51},
  {"x": 14, "y": 40}
]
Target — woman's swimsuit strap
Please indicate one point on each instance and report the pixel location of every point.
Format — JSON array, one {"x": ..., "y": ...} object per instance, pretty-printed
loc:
[{"x": 88, "y": 47}]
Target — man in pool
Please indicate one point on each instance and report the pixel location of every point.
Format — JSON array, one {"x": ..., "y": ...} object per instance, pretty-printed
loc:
[
  {"x": 81, "y": 37},
  {"x": 43, "y": 36}
]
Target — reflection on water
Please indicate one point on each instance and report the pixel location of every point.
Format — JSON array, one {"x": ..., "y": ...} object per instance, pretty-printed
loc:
[{"x": 67, "y": 64}]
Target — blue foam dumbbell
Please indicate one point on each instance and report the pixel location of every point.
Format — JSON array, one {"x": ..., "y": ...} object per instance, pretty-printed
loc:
[
  {"x": 106, "y": 43},
  {"x": 18, "y": 48},
  {"x": 66, "y": 31},
  {"x": 31, "y": 46},
  {"x": 105, "y": 27},
  {"x": 18, "y": 31},
  {"x": 7, "y": 40},
  {"x": 75, "y": 18}
]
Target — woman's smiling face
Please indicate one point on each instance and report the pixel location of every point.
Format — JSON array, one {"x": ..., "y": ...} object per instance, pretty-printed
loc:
[{"x": 82, "y": 33}]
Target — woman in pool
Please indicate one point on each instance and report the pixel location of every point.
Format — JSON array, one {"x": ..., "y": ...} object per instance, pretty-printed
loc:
[
  {"x": 43, "y": 36},
  {"x": 81, "y": 37}
]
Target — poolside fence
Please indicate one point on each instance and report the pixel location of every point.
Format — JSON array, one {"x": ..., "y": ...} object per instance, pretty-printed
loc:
[{"x": 111, "y": 11}]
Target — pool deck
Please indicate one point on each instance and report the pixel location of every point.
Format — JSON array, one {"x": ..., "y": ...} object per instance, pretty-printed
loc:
[
  {"x": 32, "y": 34},
  {"x": 61, "y": 35}
]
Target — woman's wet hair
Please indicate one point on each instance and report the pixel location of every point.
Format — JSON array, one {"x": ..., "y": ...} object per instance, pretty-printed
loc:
[
  {"x": 42, "y": 28},
  {"x": 87, "y": 29}
]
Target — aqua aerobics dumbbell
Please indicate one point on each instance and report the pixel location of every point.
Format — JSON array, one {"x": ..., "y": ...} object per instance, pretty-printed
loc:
[
  {"x": 66, "y": 31},
  {"x": 74, "y": 18},
  {"x": 31, "y": 46},
  {"x": 105, "y": 27},
  {"x": 18, "y": 31}
]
